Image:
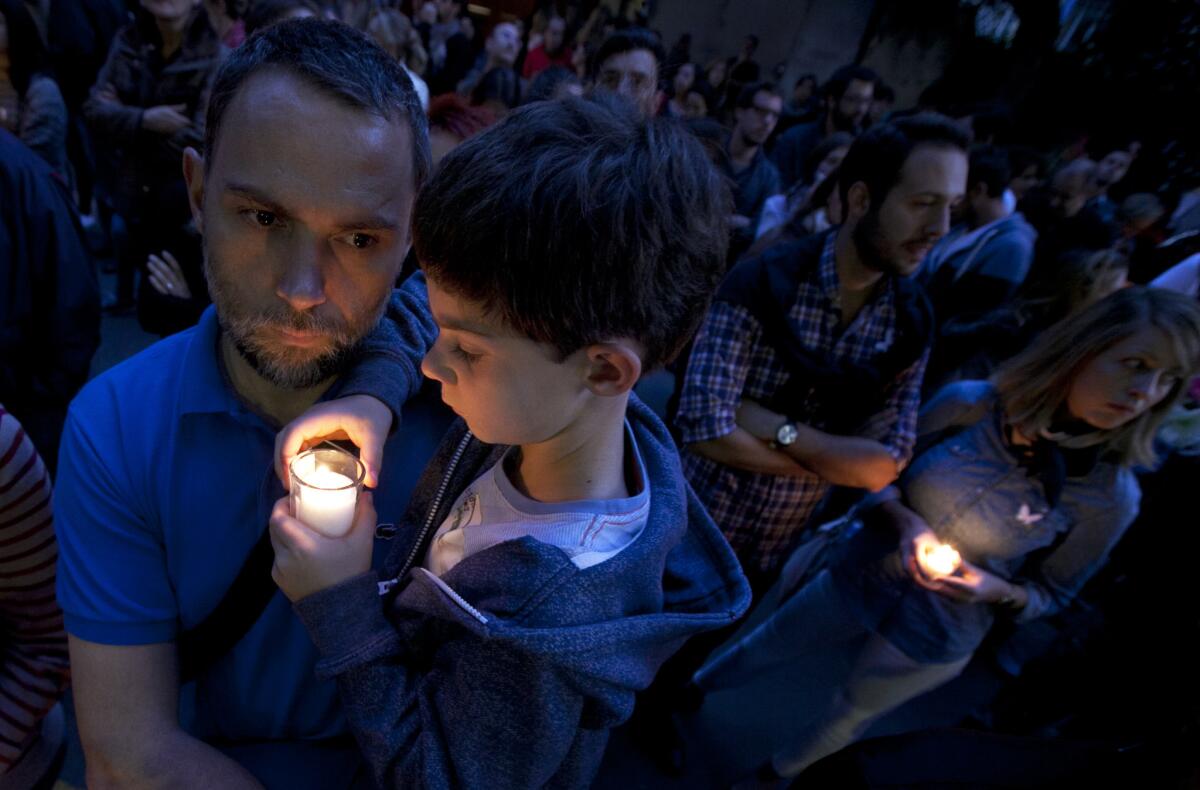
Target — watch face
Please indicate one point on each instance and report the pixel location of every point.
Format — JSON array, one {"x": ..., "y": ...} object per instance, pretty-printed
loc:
[{"x": 786, "y": 434}]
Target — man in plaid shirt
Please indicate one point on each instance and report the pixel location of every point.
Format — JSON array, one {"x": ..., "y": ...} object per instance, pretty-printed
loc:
[{"x": 807, "y": 370}]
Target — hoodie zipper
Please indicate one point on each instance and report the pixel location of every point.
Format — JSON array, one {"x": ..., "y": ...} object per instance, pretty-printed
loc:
[{"x": 385, "y": 586}]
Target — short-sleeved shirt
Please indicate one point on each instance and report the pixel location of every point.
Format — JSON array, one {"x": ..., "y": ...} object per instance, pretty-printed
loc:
[
  {"x": 762, "y": 514},
  {"x": 166, "y": 483}
]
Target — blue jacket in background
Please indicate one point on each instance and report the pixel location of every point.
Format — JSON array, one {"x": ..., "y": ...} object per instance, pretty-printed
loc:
[{"x": 510, "y": 669}]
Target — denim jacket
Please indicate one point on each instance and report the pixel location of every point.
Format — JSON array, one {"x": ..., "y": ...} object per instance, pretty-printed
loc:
[{"x": 975, "y": 496}]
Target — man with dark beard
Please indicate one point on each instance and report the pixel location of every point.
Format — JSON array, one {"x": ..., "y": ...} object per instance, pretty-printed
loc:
[
  {"x": 315, "y": 148},
  {"x": 846, "y": 98},
  {"x": 806, "y": 373}
]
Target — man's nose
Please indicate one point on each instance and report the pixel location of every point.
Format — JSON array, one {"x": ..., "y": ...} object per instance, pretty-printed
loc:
[{"x": 303, "y": 282}]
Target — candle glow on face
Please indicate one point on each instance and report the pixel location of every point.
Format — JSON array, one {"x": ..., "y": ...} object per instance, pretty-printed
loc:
[
  {"x": 939, "y": 559},
  {"x": 322, "y": 498}
]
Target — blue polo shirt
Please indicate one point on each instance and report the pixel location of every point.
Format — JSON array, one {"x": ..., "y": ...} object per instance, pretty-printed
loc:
[{"x": 165, "y": 483}]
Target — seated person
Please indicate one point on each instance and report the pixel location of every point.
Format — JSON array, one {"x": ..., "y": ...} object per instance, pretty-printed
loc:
[{"x": 553, "y": 555}]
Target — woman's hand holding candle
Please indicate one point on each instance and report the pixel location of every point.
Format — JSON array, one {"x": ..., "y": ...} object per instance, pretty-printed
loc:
[{"x": 307, "y": 562}]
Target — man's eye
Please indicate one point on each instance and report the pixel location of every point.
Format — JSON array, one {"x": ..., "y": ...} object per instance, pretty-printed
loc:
[
  {"x": 359, "y": 240},
  {"x": 264, "y": 218}
]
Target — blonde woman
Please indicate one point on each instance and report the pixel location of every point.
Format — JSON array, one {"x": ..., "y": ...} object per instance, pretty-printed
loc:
[
  {"x": 1029, "y": 477},
  {"x": 393, "y": 31}
]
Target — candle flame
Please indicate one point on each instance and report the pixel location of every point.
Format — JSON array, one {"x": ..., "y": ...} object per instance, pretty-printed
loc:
[{"x": 940, "y": 559}]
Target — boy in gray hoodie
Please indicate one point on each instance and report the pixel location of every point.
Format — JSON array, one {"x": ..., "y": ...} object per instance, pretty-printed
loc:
[{"x": 552, "y": 556}]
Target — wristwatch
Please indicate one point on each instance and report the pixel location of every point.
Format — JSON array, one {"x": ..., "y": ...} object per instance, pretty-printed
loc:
[{"x": 785, "y": 435}]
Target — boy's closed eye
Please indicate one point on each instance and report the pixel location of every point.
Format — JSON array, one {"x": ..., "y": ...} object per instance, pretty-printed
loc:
[{"x": 464, "y": 355}]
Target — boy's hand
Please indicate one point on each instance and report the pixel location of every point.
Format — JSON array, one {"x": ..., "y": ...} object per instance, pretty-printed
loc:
[
  {"x": 307, "y": 562},
  {"x": 359, "y": 418}
]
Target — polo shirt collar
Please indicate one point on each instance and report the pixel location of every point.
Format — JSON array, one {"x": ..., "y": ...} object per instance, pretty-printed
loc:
[{"x": 203, "y": 390}]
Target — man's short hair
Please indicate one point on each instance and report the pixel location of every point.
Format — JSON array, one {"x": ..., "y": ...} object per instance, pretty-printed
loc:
[
  {"x": 989, "y": 166},
  {"x": 746, "y": 96},
  {"x": 576, "y": 222},
  {"x": 878, "y": 155},
  {"x": 547, "y": 82},
  {"x": 337, "y": 60},
  {"x": 835, "y": 86},
  {"x": 628, "y": 40}
]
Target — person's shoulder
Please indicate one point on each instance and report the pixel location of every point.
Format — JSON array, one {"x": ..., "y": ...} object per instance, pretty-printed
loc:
[
  {"x": 138, "y": 386},
  {"x": 800, "y": 131},
  {"x": 964, "y": 399}
]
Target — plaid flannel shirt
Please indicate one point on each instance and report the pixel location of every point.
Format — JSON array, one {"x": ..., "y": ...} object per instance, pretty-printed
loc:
[{"x": 763, "y": 514}]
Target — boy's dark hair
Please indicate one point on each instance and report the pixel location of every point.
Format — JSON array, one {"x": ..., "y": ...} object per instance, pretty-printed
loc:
[
  {"x": 264, "y": 13},
  {"x": 877, "y": 155},
  {"x": 628, "y": 40},
  {"x": 746, "y": 96},
  {"x": 989, "y": 166},
  {"x": 576, "y": 222},
  {"x": 338, "y": 60},
  {"x": 884, "y": 92},
  {"x": 544, "y": 85},
  {"x": 835, "y": 86}
]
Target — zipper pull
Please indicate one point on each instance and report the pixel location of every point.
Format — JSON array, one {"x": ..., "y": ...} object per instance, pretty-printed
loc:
[{"x": 385, "y": 587}]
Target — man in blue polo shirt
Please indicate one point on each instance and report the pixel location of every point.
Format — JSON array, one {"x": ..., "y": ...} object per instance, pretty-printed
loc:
[{"x": 315, "y": 148}]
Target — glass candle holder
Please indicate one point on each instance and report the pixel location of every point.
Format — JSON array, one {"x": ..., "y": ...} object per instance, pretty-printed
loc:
[{"x": 325, "y": 482}]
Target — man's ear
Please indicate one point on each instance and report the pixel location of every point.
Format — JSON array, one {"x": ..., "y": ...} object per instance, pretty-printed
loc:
[
  {"x": 613, "y": 368},
  {"x": 193, "y": 176},
  {"x": 858, "y": 200}
]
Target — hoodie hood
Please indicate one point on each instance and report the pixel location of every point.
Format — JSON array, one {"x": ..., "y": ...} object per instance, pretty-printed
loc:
[{"x": 610, "y": 625}]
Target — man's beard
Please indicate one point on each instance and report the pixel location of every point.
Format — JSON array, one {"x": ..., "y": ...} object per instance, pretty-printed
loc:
[
  {"x": 870, "y": 244},
  {"x": 282, "y": 367}
]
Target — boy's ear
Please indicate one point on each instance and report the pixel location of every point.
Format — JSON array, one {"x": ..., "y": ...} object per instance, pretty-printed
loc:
[{"x": 613, "y": 368}]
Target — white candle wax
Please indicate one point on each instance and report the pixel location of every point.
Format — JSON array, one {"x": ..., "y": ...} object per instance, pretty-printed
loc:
[
  {"x": 330, "y": 512},
  {"x": 940, "y": 560}
]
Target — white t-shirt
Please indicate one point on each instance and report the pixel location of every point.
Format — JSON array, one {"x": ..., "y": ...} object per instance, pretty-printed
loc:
[{"x": 491, "y": 510}]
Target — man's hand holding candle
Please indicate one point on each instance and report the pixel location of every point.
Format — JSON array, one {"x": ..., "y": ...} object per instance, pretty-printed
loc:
[{"x": 307, "y": 562}]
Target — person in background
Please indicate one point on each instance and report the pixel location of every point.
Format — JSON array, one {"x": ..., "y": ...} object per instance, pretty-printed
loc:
[
  {"x": 553, "y": 51},
  {"x": 50, "y": 300},
  {"x": 1048, "y": 447},
  {"x": 148, "y": 104},
  {"x": 554, "y": 83},
  {"x": 981, "y": 263},
  {"x": 821, "y": 211},
  {"x": 500, "y": 51},
  {"x": 846, "y": 99},
  {"x": 498, "y": 92},
  {"x": 743, "y": 70},
  {"x": 972, "y": 347},
  {"x": 755, "y": 178},
  {"x": 715, "y": 76},
  {"x": 881, "y": 104},
  {"x": 699, "y": 98},
  {"x": 1028, "y": 168},
  {"x": 803, "y": 104},
  {"x": 33, "y": 661},
  {"x": 225, "y": 17},
  {"x": 681, "y": 84},
  {"x": 264, "y": 13},
  {"x": 1110, "y": 169},
  {"x": 451, "y": 121},
  {"x": 31, "y": 105},
  {"x": 806, "y": 372},
  {"x": 823, "y": 161},
  {"x": 449, "y": 47},
  {"x": 627, "y": 64},
  {"x": 391, "y": 30}
]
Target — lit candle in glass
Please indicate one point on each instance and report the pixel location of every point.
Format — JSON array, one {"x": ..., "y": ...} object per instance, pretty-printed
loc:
[
  {"x": 324, "y": 489},
  {"x": 939, "y": 559}
]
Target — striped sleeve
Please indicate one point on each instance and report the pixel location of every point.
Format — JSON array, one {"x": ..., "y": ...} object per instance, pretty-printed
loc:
[{"x": 33, "y": 642}]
